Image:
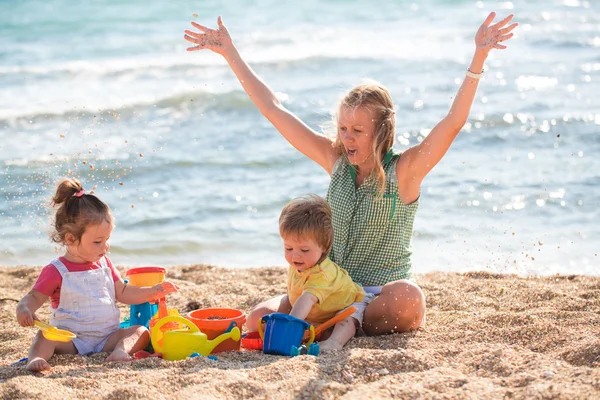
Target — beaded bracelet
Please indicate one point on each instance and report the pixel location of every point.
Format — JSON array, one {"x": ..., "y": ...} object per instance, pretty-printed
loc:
[{"x": 474, "y": 75}]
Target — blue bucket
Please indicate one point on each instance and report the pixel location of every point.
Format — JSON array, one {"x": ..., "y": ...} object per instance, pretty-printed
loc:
[{"x": 281, "y": 332}]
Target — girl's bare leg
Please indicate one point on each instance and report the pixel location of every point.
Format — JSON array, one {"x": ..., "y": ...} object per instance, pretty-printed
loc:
[
  {"x": 42, "y": 350},
  {"x": 125, "y": 342}
]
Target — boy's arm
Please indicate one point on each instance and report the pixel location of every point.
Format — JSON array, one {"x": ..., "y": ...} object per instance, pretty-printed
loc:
[
  {"x": 129, "y": 294},
  {"x": 303, "y": 305},
  {"x": 28, "y": 305}
]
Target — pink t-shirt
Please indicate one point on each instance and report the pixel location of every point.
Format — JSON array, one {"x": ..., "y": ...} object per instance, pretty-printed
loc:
[{"x": 50, "y": 280}]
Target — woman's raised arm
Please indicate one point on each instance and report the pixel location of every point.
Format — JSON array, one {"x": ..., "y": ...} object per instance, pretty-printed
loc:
[
  {"x": 297, "y": 133},
  {"x": 420, "y": 159}
]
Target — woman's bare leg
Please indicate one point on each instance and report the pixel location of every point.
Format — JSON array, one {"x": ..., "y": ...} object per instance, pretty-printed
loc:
[
  {"x": 399, "y": 308},
  {"x": 277, "y": 304}
]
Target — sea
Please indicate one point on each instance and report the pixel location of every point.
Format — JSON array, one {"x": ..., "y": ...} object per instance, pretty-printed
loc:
[{"x": 106, "y": 92}]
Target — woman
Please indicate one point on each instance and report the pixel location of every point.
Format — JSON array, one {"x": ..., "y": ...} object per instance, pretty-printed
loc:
[{"x": 374, "y": 190}]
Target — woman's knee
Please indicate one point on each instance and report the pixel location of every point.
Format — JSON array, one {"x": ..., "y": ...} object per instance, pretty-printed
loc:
[
  {"x": 404, "y": 296},
  {"x": 399, "y": 308},
  {"x": 407, "y": 301}
]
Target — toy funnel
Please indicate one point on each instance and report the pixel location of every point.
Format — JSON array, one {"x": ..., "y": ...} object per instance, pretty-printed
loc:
[{"x": 180, "y": 344}]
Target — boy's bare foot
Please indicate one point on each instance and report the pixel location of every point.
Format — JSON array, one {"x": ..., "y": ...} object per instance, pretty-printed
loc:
[
  {"x": 38, "y": 364},
  {"x": 329, "y": 345},
  {"x": 118, "y": 355}
]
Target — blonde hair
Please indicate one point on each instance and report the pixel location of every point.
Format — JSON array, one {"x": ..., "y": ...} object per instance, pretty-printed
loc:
[
  {"x": 308, "y": 217},
  {"x": 377, "y": 99},
  {"x": 75, "y": 213}
]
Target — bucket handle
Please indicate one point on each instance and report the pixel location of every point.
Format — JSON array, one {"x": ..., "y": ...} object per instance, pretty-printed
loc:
[
  {"x": 154, "y": 336},
  {"x": 262, "y": 334},
  {"x": 260, "y": 329},
  {"x": 312, "y": 336}
]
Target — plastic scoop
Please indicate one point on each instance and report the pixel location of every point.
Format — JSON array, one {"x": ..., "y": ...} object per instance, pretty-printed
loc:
[
  {"x": 52, "y": 333},
  {"x": 332, "y": 321}
]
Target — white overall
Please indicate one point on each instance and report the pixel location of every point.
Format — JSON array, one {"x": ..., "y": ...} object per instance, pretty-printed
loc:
[{"x": 87, "y": 306}]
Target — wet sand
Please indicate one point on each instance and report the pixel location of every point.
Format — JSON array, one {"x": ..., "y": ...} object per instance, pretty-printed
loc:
[{"x": 487, "y": 336}]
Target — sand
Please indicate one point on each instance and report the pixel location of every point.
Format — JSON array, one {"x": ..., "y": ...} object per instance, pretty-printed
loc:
[{"x": 487, "y": 336}]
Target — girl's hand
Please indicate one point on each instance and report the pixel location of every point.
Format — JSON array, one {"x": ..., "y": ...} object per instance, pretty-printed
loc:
[
  {"x": 25, "y": 317},
  {"x": 489, "y": 37},
  {"x": 217, "y": 40},
  {"x": 164, "y": 288}
]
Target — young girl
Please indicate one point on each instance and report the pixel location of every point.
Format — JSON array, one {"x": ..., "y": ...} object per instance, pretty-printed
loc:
[
  {"x": 83, "y": 285},
  {"x": 317, "y": 288},
  {"x": 374, "y": 190}
]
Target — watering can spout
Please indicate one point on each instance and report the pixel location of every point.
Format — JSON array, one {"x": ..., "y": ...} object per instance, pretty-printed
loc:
[{"x": 234, "y": 334}]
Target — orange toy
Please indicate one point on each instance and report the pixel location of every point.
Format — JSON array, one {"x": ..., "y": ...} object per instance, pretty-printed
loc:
[
  {"x": 331, "y": 322},
  {"x": 216, "y": 321},
  {"x": 149, "y": 276}
]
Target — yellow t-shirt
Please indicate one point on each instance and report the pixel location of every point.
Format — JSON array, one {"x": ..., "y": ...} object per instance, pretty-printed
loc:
[{"x": 330, "y": 284}]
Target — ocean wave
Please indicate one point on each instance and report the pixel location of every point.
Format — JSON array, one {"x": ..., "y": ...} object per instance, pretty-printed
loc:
[
  {"x": 561, "y": 43},
  {"x": 44, "y": 170},
  {"x": 160, "y": 248},
  {"x": 188, "y": 100},
  {"x": 173, "y": 65}
]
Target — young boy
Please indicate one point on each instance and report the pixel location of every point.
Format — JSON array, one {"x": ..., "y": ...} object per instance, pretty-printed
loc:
[{"x": 317, "y": 288}]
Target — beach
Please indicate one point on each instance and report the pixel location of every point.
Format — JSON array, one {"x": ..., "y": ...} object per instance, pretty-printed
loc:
[
  {"x": 487, "y": 336},
  {"x": 504, "y": 245}
]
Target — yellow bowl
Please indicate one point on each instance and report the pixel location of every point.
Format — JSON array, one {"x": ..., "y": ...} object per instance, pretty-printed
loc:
[
  {"x": 52, "y": 333},
  {"x": 146, "y": 276}
]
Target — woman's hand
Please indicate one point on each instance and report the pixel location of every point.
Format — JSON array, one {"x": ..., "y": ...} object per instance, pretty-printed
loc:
[
  {"x": 489, "y": 37},
  {"x": 217, "y": 40}
]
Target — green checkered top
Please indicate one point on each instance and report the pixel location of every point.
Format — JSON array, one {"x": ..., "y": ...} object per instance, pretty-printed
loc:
[{"x": 372, "y": 234}]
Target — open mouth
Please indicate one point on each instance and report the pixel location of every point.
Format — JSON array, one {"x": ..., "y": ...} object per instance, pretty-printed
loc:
[{"x": 351, "y": 152}]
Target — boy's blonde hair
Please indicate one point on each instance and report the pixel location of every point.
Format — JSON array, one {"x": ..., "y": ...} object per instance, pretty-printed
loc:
[
  {"x": 308, "y": 217},
  {"x": 378, "y": 100}
]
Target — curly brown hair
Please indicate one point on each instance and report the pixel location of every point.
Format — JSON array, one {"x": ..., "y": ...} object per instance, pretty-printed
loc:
[{"x": 75, "y": 213}]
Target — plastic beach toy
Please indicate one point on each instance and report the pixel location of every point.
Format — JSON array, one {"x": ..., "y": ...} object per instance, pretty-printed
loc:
[
  {"x": 179, "y": 344},
  {"x": 329, "y": 323},
  {"x": 282, "y": 331},
  {"x": 52, "y": 333},
  {"x": 146, "y": 276},
  {"x": 142, "y": 314},
  {"x": 312, "y": 350},
  {"x": 252, "y": 341},
  {"x": 216, "y": 321}
]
